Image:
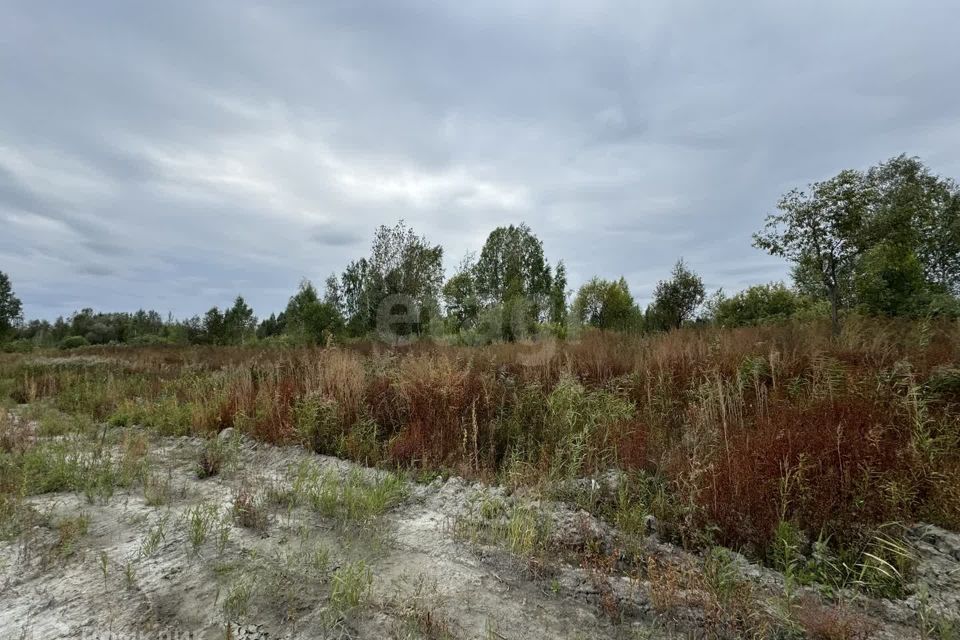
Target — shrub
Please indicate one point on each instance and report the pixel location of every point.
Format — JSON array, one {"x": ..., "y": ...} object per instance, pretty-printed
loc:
[
  {"x": 74, "y": 342},
  {"x": 213, "y": 455},
  {"x": 759, "y": 304},
  {"x": 150, "y": 339},
  {"x": 350, "y": 586},
  {"x": 249, "y": 511},
  {"x": 579, "y": 434},
  {"x": 17, "y": 346},
  {"x": 317, "y": 423}
]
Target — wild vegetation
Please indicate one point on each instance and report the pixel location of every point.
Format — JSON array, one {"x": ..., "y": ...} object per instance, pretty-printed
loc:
[
  {"x": 807, "y": 428},
  {"x": 760, "y": 439}
]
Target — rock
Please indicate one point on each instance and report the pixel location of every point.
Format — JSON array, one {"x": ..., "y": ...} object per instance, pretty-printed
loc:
[
  {"x": 226, "y": 434},
  {"x": 579, "y": 530}
]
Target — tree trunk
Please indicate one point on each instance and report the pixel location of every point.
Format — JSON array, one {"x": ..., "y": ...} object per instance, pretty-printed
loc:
[{"x": 834, "y": 313}]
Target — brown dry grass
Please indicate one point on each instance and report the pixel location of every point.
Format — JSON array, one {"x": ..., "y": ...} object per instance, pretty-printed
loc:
[{"x": 744, "y": 427}]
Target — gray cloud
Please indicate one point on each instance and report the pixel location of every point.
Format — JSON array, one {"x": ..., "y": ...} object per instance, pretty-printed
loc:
[
  {"x": 336, "y": 237},
  {"x": 172, "y": 155},
  {"x": 95, "y": 270}
]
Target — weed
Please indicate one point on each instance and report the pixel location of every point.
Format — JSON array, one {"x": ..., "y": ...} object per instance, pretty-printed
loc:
[
  {"x": 723, "y": 434},
  {"x": 236, "y": 604},
  {"x": 69, "y": 532},
  {"x": 104, "y": 566},
  {"x": 129, "y": 575},
  {"x": 350, "y": 586},
  {"x": 222, "y": 535},
  {"x": 318, "y": 560},
  {"x": 16, "y": 516},
  {"x": 418, "y": 610},
  {"x": 156, "y": 535},
  {"x": 199, "y": 521},
  {"x": 249, "y": 510},
  {"x": 883, "y": 565},
  {"x": 523, "y": 529},
  {"x": 354, "y": 498},
  {"x": 214, "y": 454},
  {"x": 284, "y": 583},
  {"x": 317, "y": 423},
  {"x": 831, "y": 622},
  {"x": 158, "y": 489},
  {"x": 720, "y": 574},
  {"x": 15, "y": 434}
]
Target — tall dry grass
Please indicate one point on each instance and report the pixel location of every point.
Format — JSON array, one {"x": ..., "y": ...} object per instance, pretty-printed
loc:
[{"x": 746, "y": 428}]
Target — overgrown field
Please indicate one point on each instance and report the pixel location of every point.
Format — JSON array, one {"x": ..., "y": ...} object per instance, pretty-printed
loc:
[{"x": 772, "y": 441}]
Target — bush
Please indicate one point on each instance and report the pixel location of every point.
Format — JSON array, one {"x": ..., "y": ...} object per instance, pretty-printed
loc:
[
  {"x": 317, "y": 422},
  {"x": 150, "y": 339},
  {"x": 74, "y": 342},
  {"x": 249, "y": 510},
  {"x": 757, "y": 305},
  {"x": 214, "y": 454},
  {"x": 17, "y": 346}
]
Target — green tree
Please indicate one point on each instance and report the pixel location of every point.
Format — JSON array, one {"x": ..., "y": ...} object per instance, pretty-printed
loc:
[
  {"x": 605, "y": 304},
  {"x": 939, "y": 241},
  {"x": 886, "y": 241},
  {"x": 919, "y": 213},
  {"x": 356, "y": 297},
  {"x": 676, "y": 300},
  {"x": 239, "y": 322},
  {"x": 460, "y": 295},
  {"x": 331, "y": 293},
  {"x": 214, "y": 327},
  {"x": 187, "y": 331},
  {"x": 756, "y": 305},
  {"x": 824, "y": 232},
  {"x": 890, "y": 281},
  {"x": 400, "y": 263},
  {"x": 512, "y": 264},
  {"x": 11, "y": 309},
  {"x": 513, "y": 280},
  {"x": 309, "y": 319},
  {"x": 272, "y": 326},
  {"x": 558, "y": 295}
]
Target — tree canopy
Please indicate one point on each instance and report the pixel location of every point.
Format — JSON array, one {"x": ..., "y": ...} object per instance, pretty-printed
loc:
[
  {"x": 675, "y": 300},
  {"x": 757, "y": 305},
  {"x": 885, "y": 240},
  {"x": 605, "y": 304},
  {"x": 400, "y": 263},
  {"x": 11, "y": 310}
]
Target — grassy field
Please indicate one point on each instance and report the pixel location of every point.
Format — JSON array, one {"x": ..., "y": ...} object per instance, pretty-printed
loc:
[{"x": 768, "y": 440}]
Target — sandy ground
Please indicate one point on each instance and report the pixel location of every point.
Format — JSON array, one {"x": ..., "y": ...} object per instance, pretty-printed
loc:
[{"x": 135, "y": 573}]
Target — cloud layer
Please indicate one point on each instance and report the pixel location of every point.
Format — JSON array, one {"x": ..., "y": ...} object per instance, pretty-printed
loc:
[{"x": 171, "y": 155}]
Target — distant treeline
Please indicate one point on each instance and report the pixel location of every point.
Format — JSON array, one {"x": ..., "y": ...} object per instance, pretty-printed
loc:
[{"x": 885, "y": 241}]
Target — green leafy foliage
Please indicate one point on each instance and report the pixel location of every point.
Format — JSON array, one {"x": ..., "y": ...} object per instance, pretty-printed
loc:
[
  {"x": 11, "y": 310},
  {"x": 73, "y": 342},
  {"x": 757, "y": 305},
  {"x": 885, "y": 240},
  {"x": 460, "y": 296},
  {"x": 605, "y": 304},
  {"x": 401, "y": 263},
  {"x": 309, "y": 319},
  {"x": 676, "y": 300},
  {"x": 512, "y": 274},
  {"x": 824, "y": 229}
]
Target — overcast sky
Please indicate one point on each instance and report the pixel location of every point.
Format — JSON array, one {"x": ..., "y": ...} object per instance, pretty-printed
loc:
[{"x": 170, "y": 155}]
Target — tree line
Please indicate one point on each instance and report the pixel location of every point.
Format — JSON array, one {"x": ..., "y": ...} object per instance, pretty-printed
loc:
[{"x": 883, "y": 241}]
